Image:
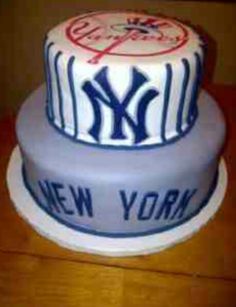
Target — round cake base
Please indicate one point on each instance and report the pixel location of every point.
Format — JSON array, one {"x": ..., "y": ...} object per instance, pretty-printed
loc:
[{"x": 72, "y": 239}]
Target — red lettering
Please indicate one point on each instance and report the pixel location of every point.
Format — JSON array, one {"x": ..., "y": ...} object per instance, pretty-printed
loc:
[
  {"x": 83, "y": 35},
  {"x": 79, "y": 26}
]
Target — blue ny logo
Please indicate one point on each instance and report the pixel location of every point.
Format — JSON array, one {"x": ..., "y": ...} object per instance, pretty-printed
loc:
[{"x": 108, "y": 97}]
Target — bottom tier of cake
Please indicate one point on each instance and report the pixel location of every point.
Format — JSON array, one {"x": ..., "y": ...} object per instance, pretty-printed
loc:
[{"x": 117, "y": 192}]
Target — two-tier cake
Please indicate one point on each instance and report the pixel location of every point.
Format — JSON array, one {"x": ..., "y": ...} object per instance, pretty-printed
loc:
[{"x": 121, "y": 147}]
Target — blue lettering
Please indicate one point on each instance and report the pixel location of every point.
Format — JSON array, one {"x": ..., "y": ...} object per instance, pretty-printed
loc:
[
  {"x": 127, "y": 204},
  {"x": 60, "y": 198},
  {"x": 183, "y": 204},
  {"x": 169, "y": 201},
  {"x": 52, "y": 194},
  {"x": 83, "y": 200},
  {"x": 48, "y": 195},
  {"x": 145, "y": 204}
]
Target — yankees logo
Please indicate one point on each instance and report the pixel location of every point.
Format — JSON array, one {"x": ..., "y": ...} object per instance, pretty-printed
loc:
[
  {"x": 119, "y": 107},
  {"x": 124, "y": 34}
]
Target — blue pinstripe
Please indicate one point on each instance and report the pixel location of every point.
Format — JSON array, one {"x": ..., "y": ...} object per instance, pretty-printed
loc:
[
  {"x": 60, "y": 99},
  {"x": 192, "y": 113},
  {"x": 183, "y": 95},
  {"x": 72, "y": 91},
  {"x": 166, "y": 100},
  {"x": 49, "y": 80}
]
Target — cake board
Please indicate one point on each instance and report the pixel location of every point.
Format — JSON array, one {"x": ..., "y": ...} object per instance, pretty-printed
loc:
[{"x": 118, "y": 247}]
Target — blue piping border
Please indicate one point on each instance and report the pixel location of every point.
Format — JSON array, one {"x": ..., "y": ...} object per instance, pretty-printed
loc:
[{"x": 120, "y": 235}]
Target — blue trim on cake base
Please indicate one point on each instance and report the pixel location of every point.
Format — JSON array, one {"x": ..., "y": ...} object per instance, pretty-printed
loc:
[{"x": 119, "y": 235}]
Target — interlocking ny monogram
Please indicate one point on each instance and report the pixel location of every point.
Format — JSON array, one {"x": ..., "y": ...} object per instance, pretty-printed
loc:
[{"x": 108, "y": 97}]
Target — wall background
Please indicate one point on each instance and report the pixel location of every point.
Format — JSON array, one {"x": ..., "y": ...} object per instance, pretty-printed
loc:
[{"x": 24, "y": 24}]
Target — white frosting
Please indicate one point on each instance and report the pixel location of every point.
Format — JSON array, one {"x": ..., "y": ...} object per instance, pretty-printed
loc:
[{"x": 121, "y": 48}]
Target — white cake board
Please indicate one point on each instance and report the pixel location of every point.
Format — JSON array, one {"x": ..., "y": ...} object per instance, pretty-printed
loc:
[{"x": 78, "y": 241}]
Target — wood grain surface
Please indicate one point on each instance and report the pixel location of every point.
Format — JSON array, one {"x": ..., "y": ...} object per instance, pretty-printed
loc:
[{"x": 199, "y": 272}]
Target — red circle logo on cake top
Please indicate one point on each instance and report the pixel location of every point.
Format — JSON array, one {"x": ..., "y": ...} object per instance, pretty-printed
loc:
[{"x": 126, "y": 34}]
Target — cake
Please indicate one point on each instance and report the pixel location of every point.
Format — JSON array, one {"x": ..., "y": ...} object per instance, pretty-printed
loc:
[{"x": 121, "y": 142}]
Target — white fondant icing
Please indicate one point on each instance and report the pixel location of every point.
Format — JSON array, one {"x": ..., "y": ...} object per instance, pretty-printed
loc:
[{"x": 121, "y": 42}]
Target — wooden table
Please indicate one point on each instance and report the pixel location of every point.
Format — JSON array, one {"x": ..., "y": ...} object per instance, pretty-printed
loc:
[{"x": 199, "y": 272}]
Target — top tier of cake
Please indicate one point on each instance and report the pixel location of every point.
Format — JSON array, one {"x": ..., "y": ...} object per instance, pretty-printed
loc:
[{"x": 123, "y": 79}]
